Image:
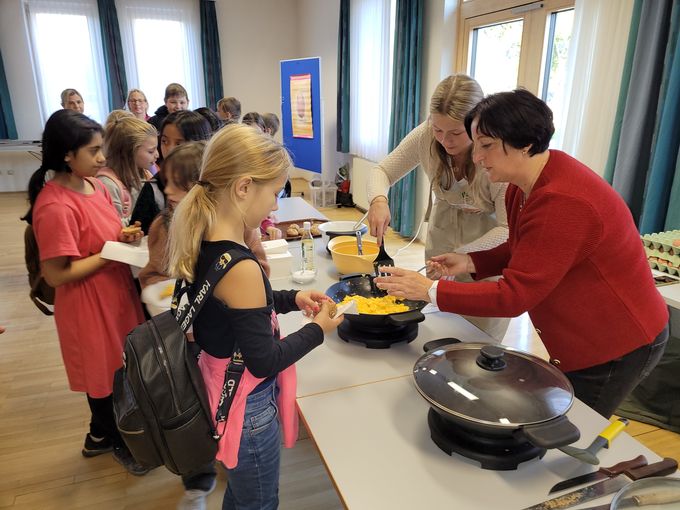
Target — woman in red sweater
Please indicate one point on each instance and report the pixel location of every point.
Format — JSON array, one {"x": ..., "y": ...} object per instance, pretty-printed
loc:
[{"x": 573, "y": 260}]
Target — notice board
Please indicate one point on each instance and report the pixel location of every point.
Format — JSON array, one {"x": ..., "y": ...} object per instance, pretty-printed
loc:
[{"x": 301, "y": 111}]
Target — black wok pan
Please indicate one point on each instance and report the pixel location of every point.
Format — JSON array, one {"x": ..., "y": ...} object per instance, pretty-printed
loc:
[{"x": 362, "y": 285}]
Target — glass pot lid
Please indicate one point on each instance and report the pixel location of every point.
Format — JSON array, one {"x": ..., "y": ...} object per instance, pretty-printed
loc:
[{"x": 492, "y": 384}]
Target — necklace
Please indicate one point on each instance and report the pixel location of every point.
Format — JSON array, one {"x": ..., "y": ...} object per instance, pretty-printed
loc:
[{"x": 523, "y": 201}]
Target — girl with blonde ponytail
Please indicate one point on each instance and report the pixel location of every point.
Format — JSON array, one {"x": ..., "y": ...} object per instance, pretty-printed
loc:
[
  {"x": 468, "y": 211},
  {"x": 242, "y": 173}
]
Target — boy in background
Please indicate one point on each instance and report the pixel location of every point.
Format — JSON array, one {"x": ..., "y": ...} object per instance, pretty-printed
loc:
[
  {"x": 272, "y": 123},
  {"x": 229, "y": 110},
  {"x": 176, "y": 99}
]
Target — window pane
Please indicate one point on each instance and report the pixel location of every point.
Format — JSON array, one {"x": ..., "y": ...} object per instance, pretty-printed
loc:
[
  {"x": 59, "y": 39},
  {"x": 153, "y": 77},
  {"x": 554, "y": 87},
  {"x": 494, "y": 56}
]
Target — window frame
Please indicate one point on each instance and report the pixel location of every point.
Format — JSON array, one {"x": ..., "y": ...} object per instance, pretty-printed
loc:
[
  {"x": 185, "y": 12},
  {"x": 480, "y": 13},
  {"x": 96, "y": 97}
]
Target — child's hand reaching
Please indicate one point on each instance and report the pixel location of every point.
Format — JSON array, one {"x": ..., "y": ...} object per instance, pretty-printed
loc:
[
  {"x": 131, "y": 234},
  {"x": 310, "y": 301},
  {"x": 324, "y": 317}
]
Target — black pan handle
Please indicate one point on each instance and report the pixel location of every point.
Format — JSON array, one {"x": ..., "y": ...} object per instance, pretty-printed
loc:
[
  {"x": 404, "y": 318},
  {"x": 440, "y": 342},
  {"x": 551, "y": 434}
]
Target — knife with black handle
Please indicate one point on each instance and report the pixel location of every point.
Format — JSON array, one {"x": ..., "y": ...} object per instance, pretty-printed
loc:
[
  {"x": 601, "y": 474},
  {"x": 609, "y": 486}
]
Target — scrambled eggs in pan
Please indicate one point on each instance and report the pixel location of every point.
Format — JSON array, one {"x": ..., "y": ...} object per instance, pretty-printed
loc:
[{"x": 376, "y": 305}]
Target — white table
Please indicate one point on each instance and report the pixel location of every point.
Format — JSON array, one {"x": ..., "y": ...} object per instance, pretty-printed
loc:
[
  {"x": 337, "y": 364},
  {"x": 370, "y": 425},
  {"x": 296, "y": 209},
  {"x": 375, "y": 442},
  {"x": 671, "y": 294}
]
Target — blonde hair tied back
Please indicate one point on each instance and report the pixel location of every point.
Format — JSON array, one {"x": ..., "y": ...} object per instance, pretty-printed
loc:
[
  {"x": 235, "y": 151},
  {"x": 454, "y": 97}
]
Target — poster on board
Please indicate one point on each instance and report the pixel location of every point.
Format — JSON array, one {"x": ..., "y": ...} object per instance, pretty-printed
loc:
[{"x": 301, "y": 102}]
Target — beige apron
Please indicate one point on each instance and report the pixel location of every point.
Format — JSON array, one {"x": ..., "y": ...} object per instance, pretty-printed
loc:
[{"x": 452, "y": 224}]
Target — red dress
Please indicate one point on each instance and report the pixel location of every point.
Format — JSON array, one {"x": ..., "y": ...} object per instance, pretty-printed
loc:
[{"x": 93, "y": 315}]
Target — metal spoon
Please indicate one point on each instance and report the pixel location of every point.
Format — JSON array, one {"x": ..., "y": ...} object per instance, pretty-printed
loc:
[{"x": 360, "y": 248}]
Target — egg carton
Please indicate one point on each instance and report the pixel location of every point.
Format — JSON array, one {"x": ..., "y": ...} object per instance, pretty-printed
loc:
[{"x": 662, "y": 254}]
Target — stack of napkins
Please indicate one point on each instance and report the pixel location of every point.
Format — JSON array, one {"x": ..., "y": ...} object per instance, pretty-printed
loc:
[
  {"x": 134, "y": 254},
  {"x": 279, "y": 258}
]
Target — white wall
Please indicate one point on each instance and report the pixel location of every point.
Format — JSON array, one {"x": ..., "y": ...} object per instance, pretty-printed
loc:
[
  {"x": 319, "y": 38},
  {"x": 254, "y": 37}
]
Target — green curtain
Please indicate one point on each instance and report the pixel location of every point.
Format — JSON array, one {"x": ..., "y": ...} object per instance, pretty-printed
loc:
[
  {"x": 210, "y": 50},
  {"x": 408, "y": 42},
  {"x": 663, "y": 184},
  {"x": 623, "y": 93},
  {"x": 643, "y": 164},
  {"x": 343, "y": 79},
  {"x": 8, "y": 129},
  {"x": 116, "y": 81}
]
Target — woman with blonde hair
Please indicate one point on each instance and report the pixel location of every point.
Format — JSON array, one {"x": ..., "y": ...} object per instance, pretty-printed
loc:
[
  {"x": 137, "y": 104},
  {"x": 468, "y": 211},
  {"x": 241, "y": 175},
  {"x": 130, "y": 145}
]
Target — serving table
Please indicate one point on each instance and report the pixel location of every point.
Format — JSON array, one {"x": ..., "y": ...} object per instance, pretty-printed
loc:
[{"x": 370, "y": 425}]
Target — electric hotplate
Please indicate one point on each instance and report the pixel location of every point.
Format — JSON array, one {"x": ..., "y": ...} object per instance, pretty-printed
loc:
[
  {"x": 497, "y": 453},
  {"x": 377, "y": 338}
]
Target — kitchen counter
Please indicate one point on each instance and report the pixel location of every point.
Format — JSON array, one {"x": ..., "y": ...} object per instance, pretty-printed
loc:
[
  {"x": 671, "y": 294},
  {"x": 375, "y": 442}
]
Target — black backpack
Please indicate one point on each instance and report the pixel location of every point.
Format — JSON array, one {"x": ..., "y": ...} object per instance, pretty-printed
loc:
[
  {"x": 159, "y": 398},
  {"x": 41, "y": 293}
]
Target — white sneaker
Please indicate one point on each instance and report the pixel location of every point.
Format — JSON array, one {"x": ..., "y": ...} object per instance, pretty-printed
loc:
[{"x": 195, "y": 499}]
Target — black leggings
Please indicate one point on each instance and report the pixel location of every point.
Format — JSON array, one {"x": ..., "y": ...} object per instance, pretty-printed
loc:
[{"x": 103, "y": 423}]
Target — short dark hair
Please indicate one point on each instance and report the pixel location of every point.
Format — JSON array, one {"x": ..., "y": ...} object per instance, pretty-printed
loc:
[
  {"x": 255, "y": 118},
  {"x": 230, "y": 105},
  {"x": 517, "y": 118},
  {"x": 175, "y": 90},
  {"x": 271, "y": 120},
  {"x": 192, "y": 125},
  {"x": 211, "y": 117}
]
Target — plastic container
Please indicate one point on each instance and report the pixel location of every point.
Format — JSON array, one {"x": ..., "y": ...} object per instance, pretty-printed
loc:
[
  {"x": 306, "y": 270},
  {"x": 322, "y": 193}
]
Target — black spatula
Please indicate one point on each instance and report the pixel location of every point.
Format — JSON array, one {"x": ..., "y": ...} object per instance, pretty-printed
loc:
[{"x": 382, "y": 259}]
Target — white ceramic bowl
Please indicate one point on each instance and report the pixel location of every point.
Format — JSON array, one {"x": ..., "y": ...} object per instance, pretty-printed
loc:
[{"x": 332, "y": 229}]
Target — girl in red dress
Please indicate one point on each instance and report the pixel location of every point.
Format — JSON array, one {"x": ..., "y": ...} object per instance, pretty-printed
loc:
[{"x": 96, "y": 303}]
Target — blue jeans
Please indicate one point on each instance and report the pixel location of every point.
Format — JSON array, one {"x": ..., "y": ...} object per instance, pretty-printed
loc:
[
  {"x": 603, "y": 387},
  {"x": 254, "y": 483}
]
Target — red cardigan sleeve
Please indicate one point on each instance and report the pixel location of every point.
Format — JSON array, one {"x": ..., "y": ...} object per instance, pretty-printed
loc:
[
  {"x": 491, "y": 262},
  {"x": 555, "y": 232}
]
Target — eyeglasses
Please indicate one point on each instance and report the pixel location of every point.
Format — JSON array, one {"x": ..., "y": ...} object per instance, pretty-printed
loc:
[{"x": 137, "y": 101}]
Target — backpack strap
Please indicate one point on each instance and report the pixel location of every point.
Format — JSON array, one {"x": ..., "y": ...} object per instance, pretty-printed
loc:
[
  {"x": 220, "y": 266},
  {"x": 187, "y": 314},
  {"x": 125, "y": 197}
]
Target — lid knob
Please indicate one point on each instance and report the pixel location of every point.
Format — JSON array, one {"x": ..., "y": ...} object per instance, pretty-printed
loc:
[{"x": 491, "y": 358}]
